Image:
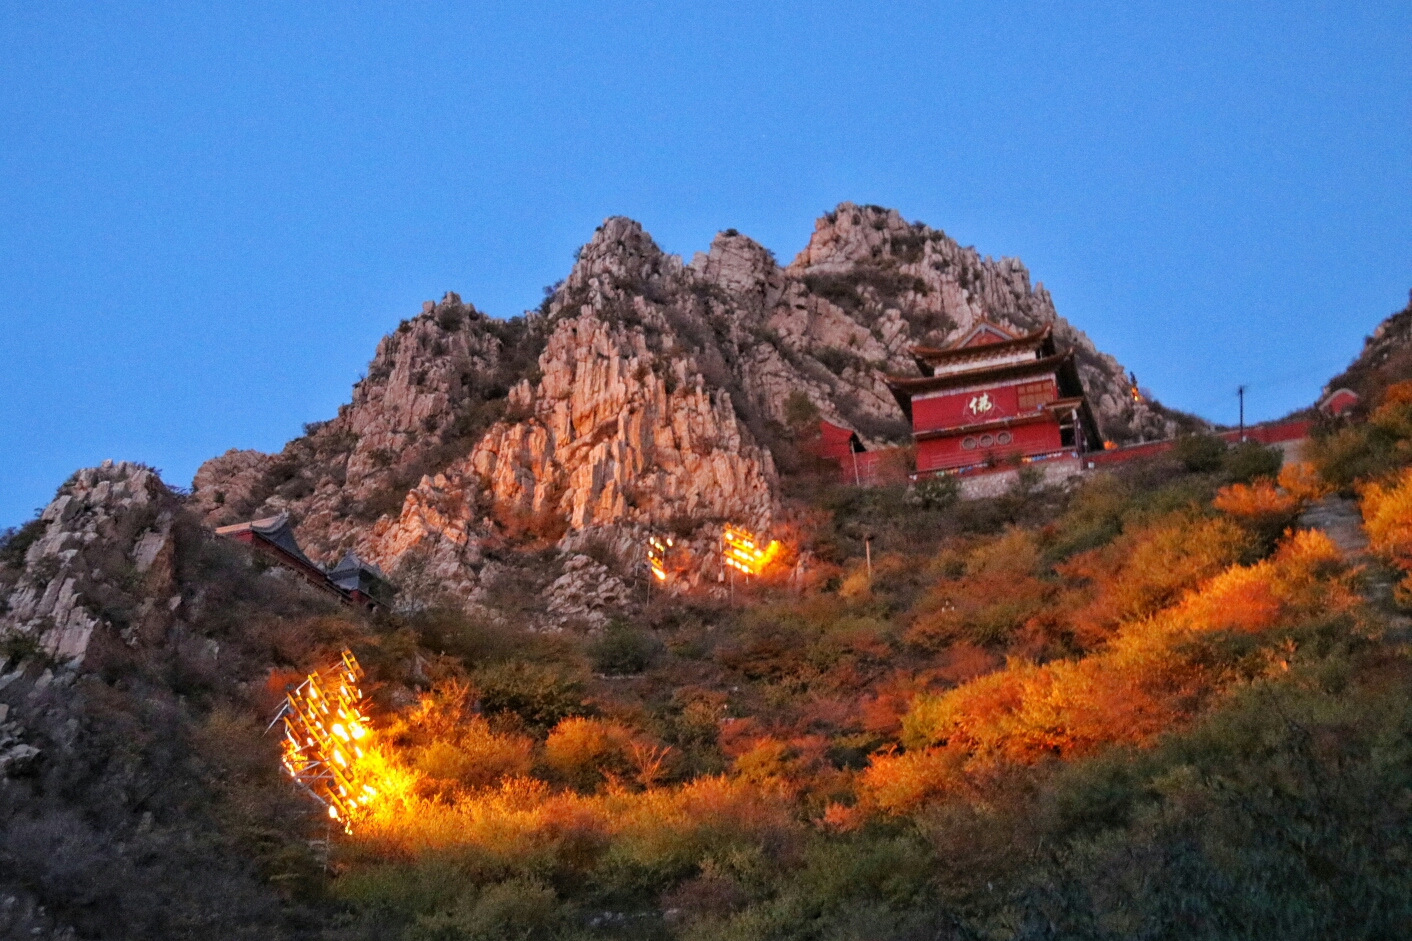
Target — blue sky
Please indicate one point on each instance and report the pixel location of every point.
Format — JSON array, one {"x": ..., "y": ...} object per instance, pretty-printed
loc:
[{"x": 210, "y": 212}]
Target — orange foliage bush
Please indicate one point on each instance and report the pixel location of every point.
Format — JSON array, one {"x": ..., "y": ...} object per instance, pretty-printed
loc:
[
  {"x": 1147, "y": 569},
  {"x": 1399, "y": 393},
  {"x": 994, "y": 598},
  {"x": 1145, "y": 680},
  {"x": 524, "y": 823},
  {"x": 1302, "y": 481},
  {"x": 1258, "y": 500},
  {"x": 1387, "y": 518},
  {"x": 448, "y": 748},
  {"x": 585, "y": 752},
  {"x": 1264, "y": 509}
]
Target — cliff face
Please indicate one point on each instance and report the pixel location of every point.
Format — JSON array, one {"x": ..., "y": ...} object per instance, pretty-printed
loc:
[{"x": 644, "y": 395}]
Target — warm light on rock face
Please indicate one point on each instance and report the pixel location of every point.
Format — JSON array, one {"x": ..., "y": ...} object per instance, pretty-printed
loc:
[
  {"x": 324, "y": 723},
  {"x": 741, "y": 551}
]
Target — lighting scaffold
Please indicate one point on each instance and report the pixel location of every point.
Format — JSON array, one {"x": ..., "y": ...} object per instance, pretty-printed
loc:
[
  {"x": 657, "y": 556},
  {"x": 324, "y": 721},
  {"x": 741, "y": 551}
]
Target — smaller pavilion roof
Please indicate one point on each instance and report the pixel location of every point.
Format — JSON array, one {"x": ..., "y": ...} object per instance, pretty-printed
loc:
[{"x": 350, "y": 572}]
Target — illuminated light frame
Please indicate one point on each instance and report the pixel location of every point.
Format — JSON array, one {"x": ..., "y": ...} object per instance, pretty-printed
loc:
[
  {"x": 657, "y": 556},
  {"x": 739, "y": 550},
  {"x": 324, "y": 720}
]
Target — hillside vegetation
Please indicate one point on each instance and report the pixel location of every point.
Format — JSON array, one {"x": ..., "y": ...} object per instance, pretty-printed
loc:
[
  {"x": 1148, "y": 707},
  {"x": 1153, "y": 703}
]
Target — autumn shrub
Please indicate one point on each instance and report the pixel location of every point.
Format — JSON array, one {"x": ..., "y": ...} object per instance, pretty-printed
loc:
[
  {"x": 1387, "y": 519},
  {"x": 475, "y": 757},
  {"x": 1302, "y": 481},
  {"x": 1262, "y": 508},
  {"x": 586, "y": 752},
  {"x": 996, "y": 593},
  {"x": 776, "y": 763},
  {"x": 1148, "y": 568}
]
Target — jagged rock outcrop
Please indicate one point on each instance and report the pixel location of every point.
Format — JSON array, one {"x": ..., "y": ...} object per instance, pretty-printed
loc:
[
  {"x": 228, "y": 481},
  {"x": 107, "y": 529},
  {"x": 585, "y": 592},
  {"x": 435, "y": 384},
  {"x": 643, "y": 395}
]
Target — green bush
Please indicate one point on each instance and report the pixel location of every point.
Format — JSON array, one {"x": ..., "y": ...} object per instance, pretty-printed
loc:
[
  {"x": 1261, "y": 818},
  {"x": 799, "y": 412},
  {"x": 1200, "y": 453},
  {"x": 1250, "y": 459},
  {"x": 937, "y": 493},
  {"x": 623, "y": 649},
  {"x": 14, "y": 543},
  {"x": 539, "y": 695},
  {"x": 517, "y": 910}
]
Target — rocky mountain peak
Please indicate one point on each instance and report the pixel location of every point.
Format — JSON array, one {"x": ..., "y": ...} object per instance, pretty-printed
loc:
[
  {"x": 739, "y": 265},
  {"x": 851, "y": 234},
  {"x": 643, "y": 396},
  {"x": 620, "y": 256}
]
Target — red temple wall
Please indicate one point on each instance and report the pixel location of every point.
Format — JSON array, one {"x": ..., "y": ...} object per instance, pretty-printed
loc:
[
  {"x": 941, "y": 453},
  {"x": 949, "y": 411}
]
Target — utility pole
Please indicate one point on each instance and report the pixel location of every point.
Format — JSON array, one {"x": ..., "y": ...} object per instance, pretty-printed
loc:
[{"x": 1240, "y": 391}]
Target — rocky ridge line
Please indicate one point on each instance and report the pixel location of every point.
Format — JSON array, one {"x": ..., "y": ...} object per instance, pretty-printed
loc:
[{"x": 644, "y": 395}]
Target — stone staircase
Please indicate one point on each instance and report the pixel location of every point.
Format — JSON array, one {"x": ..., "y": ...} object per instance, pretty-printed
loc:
[{"x": 1340, "y": 518}]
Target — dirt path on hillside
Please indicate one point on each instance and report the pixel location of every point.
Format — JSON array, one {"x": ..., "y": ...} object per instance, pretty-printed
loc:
[{"x": 1340, "y": 519}]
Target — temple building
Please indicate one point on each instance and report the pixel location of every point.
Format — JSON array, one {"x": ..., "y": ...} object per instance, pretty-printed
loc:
[{"x": 995, "y": 399}]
